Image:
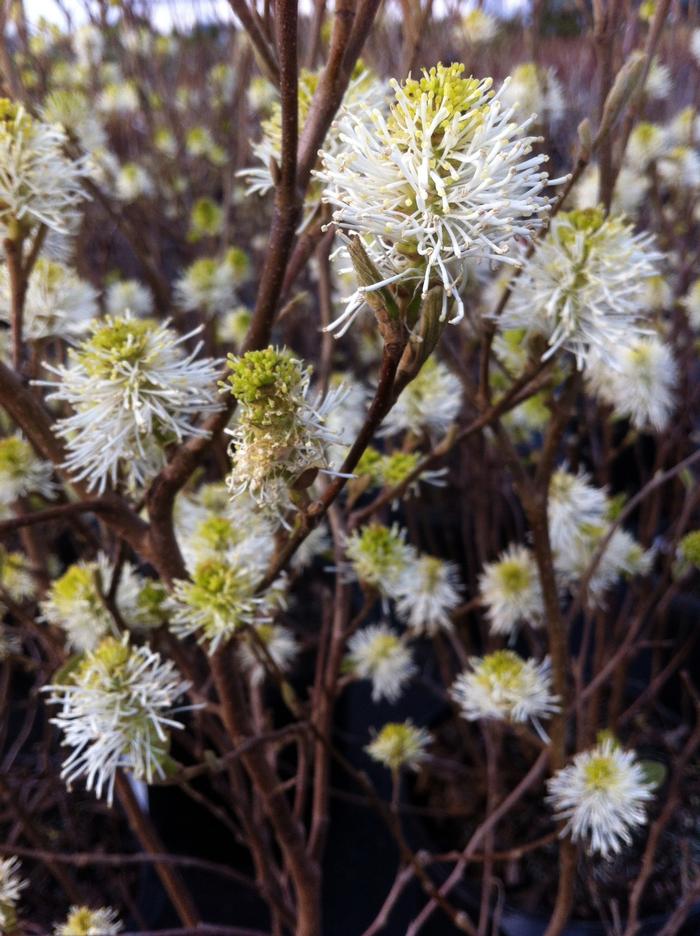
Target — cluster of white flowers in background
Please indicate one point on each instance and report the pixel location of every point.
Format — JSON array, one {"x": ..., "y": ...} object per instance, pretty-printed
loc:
[
  {"x": 11, "y": 886},
  {"x": 85, "y": 921}
]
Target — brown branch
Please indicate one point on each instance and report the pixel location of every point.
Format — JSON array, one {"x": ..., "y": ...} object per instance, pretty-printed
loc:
[{"x": 149, "y": 839}]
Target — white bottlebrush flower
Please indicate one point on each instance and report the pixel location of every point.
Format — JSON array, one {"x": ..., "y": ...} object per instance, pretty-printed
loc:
[
  {"x": 117, "y": 707},
  {"x": 679, "y": 168},
  {"x": 622, "y": 556},
  {"x": 583, "y": 287},
  {"x": 511, "y": 592},
  {"x": 76, "y": 114},
  {"x": 363, "y": 93},
  {"x": 535, "y": 90},
  {"x": 232, "y": 326},
  {"x": 88, "y": 44},
  {"x": 76, "y": 601},
  {"x": 210, "y": 284},
  {"x": 57, "y": 303},
  {"x": 11, "y": 886},
  {"x": 602, "y": 796},
  {"x": 133, "y": 182},
  {"x": 39, "y": 184},
  {"x": 400, "y": 745},
  {"x": 377, "y": 653},
  {"x": 646, "y": 143},
  {"x": 118, "y": 98},
  {"x": 16, "y": 580},
  {"x": 124, "y": 296},
  {"x": 446, "y": 177},
  {"x": 684, "y": 128},
  {"x": 84, "y": 921},
  {"x": 279, "y": 643},
  {"x": 691, "y": 303},
  {"x": 430, "y": 403},
  {"x": 502, "y": 685},
  {"x": 428, "y": 591},
  {"x": 22, "y": 472},
  {"x": 216, "y": 603},
  {"x": 379, "y": 556},
  {"x": 639, "y": 382},
  {"x": 630, "y": 190},
  {"x": 659, "y": 83},
  {"x": 242, "y": 538},
  {"x": 477, "y": 27},
  {"x": 134, "y": 391},
  {"x": 573, "y": 505},
  {"x": 281, "y": 440}
]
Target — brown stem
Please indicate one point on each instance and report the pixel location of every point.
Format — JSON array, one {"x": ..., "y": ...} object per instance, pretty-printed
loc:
[{"x": 149, "y": 839}]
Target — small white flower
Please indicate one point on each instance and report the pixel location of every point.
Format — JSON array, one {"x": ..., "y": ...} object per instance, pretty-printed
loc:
[
  {"x": 574, "y": 504},
  {"x": 691, "y": 302},
  {"x": 124, "y": 296},
  {"x": 377, "y": 653},
  {"x": 133, "y": 182},
  {"x": 280, "y": 644},
  {"x": 511, "y": 591},
  {"x": 16, "y": 580},
  {"x": 88, "y": 44},
  {"x": 11, "y": 885},
  {"x": 134, "y": 391},
  {"x": 400, "y": 745},
  {"x": 639, "y": 382},
  {"x": 22, "y": 472},
  {"x": 583, "y": 287},
  {"x": 430, "y": 403},
  {"x": 39, "y": 184},
  {"x": 380, "y": 556},
  {"x": 658, "y": 84},
  {"x": 76, "y": 114},
  {"x": 646, "y": 143},
  {"x": 210, "y": 284},
  {"x": 622, "y": 556},
  {"x": 535, "y": 90},
  {"x": 118, "y": 98},
  {"x": 447, "y": 176},
  {"x": 216, "y": 603},
  {"x": 116, "y": 711},
  {"x": 602, "y": 795},
  {"x": 77, "y": 602},
  {"x": 680, "y": 168},
  {"x": 83, "y": 921},
  {"x": 429, "y": 590},
  {"x": 504, "y": 686},
  {"x": 477, "y": 27},
  {"x": 630, "y": 191},
  {"x": 57, "y": 303},
  {"x": 244, "y": 538}
]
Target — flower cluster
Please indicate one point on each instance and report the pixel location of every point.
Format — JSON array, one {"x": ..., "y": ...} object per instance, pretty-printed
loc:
[
  {"x": 11, "y": 885},
  {"x": 583, "y": 287},
  {"x": 134, "y": 391},
  {"x": 502, "y": 685},
  {"x": 117, "y": 709},
  {"x": 22, "y": 473},
  {"x": 400, "y": 745},
  {"x": 446, "y": 176},
  {"x": 602, "y": 795},
  {"x": 281, "y": 439},
  {"x": 39, "y": 184}
]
